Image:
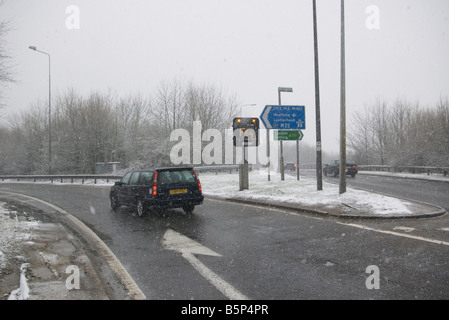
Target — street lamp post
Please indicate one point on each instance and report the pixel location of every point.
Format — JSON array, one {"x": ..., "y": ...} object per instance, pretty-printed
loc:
[
  {"x": 319, "y": 165},
  {"x": 342, "y": 184},
  {"x": 282, "y": 89},
  {"x": 49, "y": 106}
]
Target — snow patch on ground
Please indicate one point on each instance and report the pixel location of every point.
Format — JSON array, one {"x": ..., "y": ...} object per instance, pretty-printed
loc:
[
  {"x": 12, "y": 233},
  {"x": 23, "y": 292},
  {"x": 302, "y": 192}
]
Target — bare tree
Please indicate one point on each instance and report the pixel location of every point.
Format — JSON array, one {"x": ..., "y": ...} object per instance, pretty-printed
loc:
[
  {"x": 104, "y": 128},
  {"x": 210, "y": 105},
  {"x": 401, "y": 134},
  {"x": 7, "y": 68},
  {"x": 132, "y": 129}
]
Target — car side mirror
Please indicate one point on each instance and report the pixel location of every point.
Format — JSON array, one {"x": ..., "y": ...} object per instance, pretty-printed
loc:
[{"x": 118, "y": 183}]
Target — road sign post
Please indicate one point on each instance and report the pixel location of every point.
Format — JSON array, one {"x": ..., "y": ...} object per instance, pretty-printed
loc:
[
  {"x": 288, "y": 135},
  {"x": 283, "y": 118},
  {"x": 246, "y": 134},
  {"x": 291, "y": 135}
]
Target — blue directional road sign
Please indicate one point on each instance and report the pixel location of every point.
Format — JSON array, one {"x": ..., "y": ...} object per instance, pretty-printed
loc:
[{"x": 284, "y": 117}]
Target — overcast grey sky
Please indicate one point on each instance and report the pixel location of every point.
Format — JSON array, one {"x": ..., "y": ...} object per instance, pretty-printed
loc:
[{"x": 248, "y": 47}]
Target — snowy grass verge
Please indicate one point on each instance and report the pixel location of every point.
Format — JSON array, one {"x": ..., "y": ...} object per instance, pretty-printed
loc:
[{"x": 302, "y": 192}]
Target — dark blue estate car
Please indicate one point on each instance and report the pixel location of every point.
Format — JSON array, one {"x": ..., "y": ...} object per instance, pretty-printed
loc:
[{"x": 177, "y": 187}]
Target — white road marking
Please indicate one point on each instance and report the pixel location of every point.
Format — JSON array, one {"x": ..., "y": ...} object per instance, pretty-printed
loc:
[
  {"x": 353, "y": 225},
  {"x": 406, "y": 229},
  {"x": 175, "y": 241},
  {"x": 395, "y": 233}
]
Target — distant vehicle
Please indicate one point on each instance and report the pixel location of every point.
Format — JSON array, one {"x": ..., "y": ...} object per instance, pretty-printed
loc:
[
  {"x": 333, "y": 168},
  {"x": 290, "y": 166},
  {"x": 177, "y": 187}
]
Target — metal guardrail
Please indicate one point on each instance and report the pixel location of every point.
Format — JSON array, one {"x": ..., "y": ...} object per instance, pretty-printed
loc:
[
  {"x": 96, "y": 177},
  {"x": 408, "y": 169},
  {"x": 61, "y": 178},
  {"x": 396, "y": 169},
  {"x": 217, "y": 169}
]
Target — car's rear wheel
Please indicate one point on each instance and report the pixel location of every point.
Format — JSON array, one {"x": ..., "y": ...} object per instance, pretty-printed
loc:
[
  {"x": 141, "y": 209},
  {"x": 188, "y": 209},
  {"x": 114, "y": 203}
]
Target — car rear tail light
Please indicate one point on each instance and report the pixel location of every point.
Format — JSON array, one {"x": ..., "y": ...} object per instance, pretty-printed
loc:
[
  {"x": 153, "y": 190},
  {"x": 199, "y": 183}
]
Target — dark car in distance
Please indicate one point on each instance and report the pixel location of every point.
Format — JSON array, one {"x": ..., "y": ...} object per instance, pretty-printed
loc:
[
  {"x": 333, "y": 168},
  {"x": 290, "y": 166},
  {"x": 144, "y": 190}
]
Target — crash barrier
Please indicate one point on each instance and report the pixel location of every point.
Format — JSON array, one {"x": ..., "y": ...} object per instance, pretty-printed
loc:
[
  {"x": 218, "y": 169},
  {"x": 394, "y": 169},
  {"x": 405, "y": 169},
  {"x": 101, "y": 177},
  {"x": 61, "y": 178}
]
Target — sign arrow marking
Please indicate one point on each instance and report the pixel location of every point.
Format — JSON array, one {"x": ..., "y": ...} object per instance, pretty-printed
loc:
[{"x": 175, "y": 241}]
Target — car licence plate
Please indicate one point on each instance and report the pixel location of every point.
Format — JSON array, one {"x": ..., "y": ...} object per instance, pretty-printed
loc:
[{"x": 178, "y": 191}]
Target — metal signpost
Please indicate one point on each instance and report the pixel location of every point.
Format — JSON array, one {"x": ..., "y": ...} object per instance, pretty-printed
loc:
[
  {"x": 288, "y": 135},
  {"x": 283, "y": 118},
  {"x": 291, "y": 135},
  {"x": 246, "y": 134}
]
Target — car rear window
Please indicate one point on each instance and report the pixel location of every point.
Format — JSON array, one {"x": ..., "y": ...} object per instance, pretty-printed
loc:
[{"x": 178, "y": 176}]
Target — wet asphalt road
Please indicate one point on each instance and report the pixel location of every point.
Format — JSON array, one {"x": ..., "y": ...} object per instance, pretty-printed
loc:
[
  {"x": 264, "y": 254},
  {"x": 434, "y": 192}
]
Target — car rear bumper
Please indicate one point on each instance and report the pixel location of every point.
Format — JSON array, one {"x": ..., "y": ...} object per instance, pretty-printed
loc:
[{"x": 173, "y": 203}]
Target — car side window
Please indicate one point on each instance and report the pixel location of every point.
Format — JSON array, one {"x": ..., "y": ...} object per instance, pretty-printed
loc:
[
  {"x": 134, "y": 178},
  {"x": 146, "y": 178},
  {"x": 125, "y": 179}
]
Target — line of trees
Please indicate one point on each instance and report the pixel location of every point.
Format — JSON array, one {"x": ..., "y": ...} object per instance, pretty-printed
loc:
[
  {"x": 102, "y": 127},
  {"x": 7, "y": 67},
  {"x": 401, "y": 134}
]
